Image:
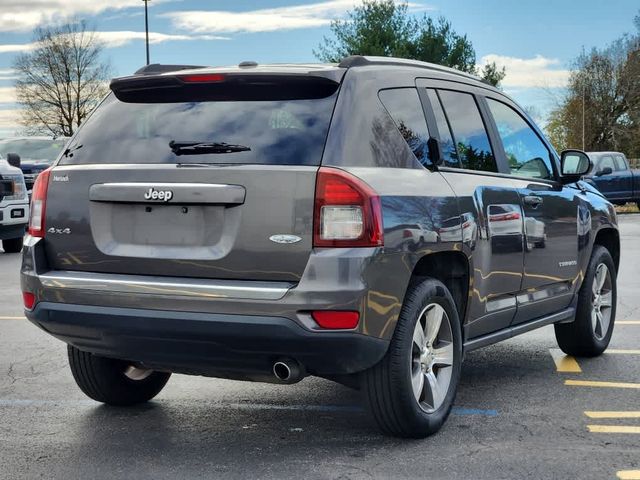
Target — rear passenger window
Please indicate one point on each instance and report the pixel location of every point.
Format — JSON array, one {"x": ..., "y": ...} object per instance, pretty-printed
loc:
[
  {"x": 404, "y": 106},
  {"x": 469, "y": 133},
  {"x": 621, "y": 164},
  {"x": 446, "y": 139},
  {"x": 527, "y": 155}
]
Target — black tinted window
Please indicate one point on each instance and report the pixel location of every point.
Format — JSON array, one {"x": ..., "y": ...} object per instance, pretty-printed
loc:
[
  {"x": 470, "y": 135},
  {"x": 526, "y": 153},
  {"x": 284, "y": 132},
  {"x": 446, "y": 139},
  {"x": 403, "y": 104}
]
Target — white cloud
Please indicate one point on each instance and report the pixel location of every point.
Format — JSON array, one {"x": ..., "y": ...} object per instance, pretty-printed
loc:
[
  {"x": 7, "y": 74},
  {"x": 18, "y": 47},
  {"x": 16, "y": 16},
  {"x": 120, "y": 38},
  {"x": 9, "y": 121},
  {"x": 534, "y": 72},
  {"x": 7, "y": 95},
  {"x": 268, "y": 20}
]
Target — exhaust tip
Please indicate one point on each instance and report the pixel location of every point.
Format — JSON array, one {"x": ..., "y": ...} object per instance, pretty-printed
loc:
[
  {"x": 288, "y": 370},
  {"x": 282, "y": 371}
]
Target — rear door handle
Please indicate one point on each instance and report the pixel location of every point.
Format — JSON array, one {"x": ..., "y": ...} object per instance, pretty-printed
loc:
[{"x": 532, "y": 200}]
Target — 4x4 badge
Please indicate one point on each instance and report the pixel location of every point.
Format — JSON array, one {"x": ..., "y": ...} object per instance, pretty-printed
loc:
[{"x": 285, "y": 238}]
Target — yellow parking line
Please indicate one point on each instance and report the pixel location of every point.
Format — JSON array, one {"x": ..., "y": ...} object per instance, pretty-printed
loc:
[
  {"x": 628, "y": 474},
  {"x": 628, "y": 322},
  {"x": 627, "y": 414},
  {"x": 11, "y": 318},
  {"x": 623, "y": 352},
  {"x": 589, "y": 383},
  {"x": 564, "y": 363},
  {"x": 613, "y": 429}
]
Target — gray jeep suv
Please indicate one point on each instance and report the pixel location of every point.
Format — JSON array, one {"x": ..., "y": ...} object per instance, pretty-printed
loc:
[{"x": 367, "y": 222}]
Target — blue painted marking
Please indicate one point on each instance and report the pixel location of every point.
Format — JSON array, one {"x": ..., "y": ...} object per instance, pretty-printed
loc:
[{"x": 473, "y": 411}]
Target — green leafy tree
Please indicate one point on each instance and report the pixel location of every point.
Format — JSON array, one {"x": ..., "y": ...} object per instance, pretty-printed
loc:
[{"x": 386, "y": 28}]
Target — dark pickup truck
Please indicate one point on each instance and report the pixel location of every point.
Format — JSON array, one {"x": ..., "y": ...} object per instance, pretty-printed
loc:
[{"x": 614, "y": 178}]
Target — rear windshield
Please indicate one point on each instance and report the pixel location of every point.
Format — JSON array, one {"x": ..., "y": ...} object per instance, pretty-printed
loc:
[{"x": 279, "y": 132}]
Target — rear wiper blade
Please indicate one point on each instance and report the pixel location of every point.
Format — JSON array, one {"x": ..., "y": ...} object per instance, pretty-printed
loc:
[
  {"x": 197, "y": 148},
  {"x": 69, "y": 151}
]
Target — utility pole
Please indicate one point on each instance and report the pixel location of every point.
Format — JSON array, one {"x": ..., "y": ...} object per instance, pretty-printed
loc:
[
  {"x": 146, "y": 26},
  {"x": 584, "y": 94}
]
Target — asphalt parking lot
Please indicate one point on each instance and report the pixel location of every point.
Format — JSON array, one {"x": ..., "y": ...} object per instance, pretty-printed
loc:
[{"x": 516, "y": 415}]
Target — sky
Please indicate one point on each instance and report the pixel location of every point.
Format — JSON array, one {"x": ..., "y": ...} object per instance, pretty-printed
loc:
[{"x": 536, "y": 40}]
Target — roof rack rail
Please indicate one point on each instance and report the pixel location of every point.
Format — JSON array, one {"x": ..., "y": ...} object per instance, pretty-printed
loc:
[
  {"x": 156, "y": 68},
  {"x": 362, "y": 61}
]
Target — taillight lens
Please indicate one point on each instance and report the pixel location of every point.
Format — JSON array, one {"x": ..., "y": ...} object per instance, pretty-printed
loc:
[
  {"x": 202, "y": 78},
  {"x": 347, "y": 211},
  {"x": 29, "y": 300},
  {"x": 336, "y": 319},
  {"x": 38, "y": 204}
]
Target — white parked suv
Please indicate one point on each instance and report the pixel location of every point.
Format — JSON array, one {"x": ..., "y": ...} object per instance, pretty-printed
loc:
[{"x": 14, "y": 207}]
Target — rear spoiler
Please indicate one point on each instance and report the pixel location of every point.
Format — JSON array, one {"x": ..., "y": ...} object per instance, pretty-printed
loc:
[{"x": 200, "y": 86}]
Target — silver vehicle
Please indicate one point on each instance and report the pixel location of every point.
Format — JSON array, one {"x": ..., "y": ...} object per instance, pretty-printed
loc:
[
  {"x": 14, "y": 205},
  {"x": 267, "y": 223}
]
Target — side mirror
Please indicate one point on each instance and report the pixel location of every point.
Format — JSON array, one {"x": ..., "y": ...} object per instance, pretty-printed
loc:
[
  {"x": 604, "y": 171},
  {"x": 574, "y": 165},
  {"x": 13, "y": 159},
  {"x": 435, "y": 151}
]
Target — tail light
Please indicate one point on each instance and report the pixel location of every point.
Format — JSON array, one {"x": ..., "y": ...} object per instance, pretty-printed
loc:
[
  {"x": 38, "y": 204},
  {"x": 407, "y": 234},
  {"x": 504, "y": 216},
  {"x": 202, "y": 78},
  {"x": 347, "y": 211}
]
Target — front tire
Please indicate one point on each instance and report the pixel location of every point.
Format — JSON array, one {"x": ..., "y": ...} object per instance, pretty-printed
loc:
[
  {"x": 114, "y": 382},
  {"x": 411, "y": 391},
  {"x": 590, "y": 333},
  {"x": 13, "y": 245}
]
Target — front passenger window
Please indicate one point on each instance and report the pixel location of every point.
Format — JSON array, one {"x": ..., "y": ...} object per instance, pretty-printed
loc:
[{"x": 526, "y": 153}]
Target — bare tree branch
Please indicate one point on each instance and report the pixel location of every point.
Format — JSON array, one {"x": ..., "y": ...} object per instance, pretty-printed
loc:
[{"x": 62, "y": 79}]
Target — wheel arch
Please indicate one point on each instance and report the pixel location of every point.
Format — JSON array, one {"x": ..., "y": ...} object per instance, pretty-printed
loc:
[
  {"x": 452, "y": 269},
  {"x": 609, "y": 238}
]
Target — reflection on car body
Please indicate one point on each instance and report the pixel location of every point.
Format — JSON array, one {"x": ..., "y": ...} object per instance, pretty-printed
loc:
[
  {"x": 505, "y": 227},
  {"x": 462, "y": 228}
]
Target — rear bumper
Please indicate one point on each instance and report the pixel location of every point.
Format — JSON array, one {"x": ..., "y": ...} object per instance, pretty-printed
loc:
[
  {"x": 233, "y": 346},
  {"x": 215, "y": 327}
]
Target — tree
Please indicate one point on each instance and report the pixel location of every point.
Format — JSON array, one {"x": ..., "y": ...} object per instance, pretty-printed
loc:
[
  {"x": 385, "y": 28},
  {"x": 61, "y": 79},
  {"x": 602, "y": 103}
]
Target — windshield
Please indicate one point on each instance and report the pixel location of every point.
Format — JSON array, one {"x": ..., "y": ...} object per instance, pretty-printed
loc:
[
  {"x": 284, "y": 132},
  {"x": 33, "y": 149}
]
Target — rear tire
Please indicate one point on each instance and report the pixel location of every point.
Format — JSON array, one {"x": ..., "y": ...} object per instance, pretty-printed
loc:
[
  {"x": 13, "y": 245},
  {"x": 590, "y": 333},
  {"x": 411, "y": 391},
  {"x": 114, "y": 382}
]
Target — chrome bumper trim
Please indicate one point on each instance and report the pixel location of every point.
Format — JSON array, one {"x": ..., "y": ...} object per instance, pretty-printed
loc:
[{"x": 171, "y": 286}]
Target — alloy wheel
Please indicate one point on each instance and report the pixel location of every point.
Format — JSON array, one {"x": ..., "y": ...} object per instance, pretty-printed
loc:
[
  {"x": 602, "y": 301},
  {"x": 432, "y": 353}
]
